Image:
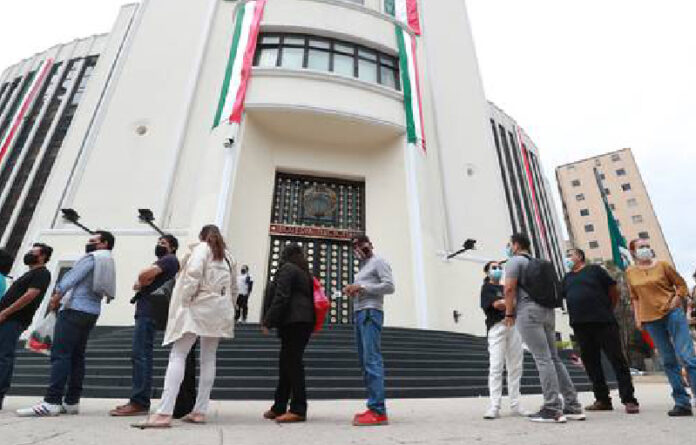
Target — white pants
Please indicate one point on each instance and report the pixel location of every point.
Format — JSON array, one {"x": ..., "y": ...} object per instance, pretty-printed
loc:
[
  {"x": 177, "y": 366},
  {"x": 505, "y": 351}
]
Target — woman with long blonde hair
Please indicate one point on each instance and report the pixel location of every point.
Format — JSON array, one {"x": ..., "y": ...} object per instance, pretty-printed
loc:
[{"x": 202, "y": 306}]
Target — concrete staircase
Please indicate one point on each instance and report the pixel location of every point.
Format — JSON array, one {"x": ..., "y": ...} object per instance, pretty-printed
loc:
[{"x": 419, "y": 364}]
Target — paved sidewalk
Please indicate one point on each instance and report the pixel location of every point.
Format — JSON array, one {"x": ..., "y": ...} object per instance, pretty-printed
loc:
[{"x": 435, "y": 421}]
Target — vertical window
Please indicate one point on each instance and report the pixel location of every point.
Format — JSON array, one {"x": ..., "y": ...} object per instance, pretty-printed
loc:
[{"x": 506, "y": 185}]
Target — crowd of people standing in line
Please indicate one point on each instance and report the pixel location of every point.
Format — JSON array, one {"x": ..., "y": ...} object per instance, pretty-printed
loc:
[
  {"x": 516, "y": 314},
  {"x": 196, "y": 300}
]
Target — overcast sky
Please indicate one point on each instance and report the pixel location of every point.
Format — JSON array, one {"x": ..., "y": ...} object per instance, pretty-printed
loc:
[{"x": 581, "y": 77}]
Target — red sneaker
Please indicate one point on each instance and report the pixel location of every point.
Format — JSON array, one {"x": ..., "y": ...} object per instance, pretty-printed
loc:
[{"x": 370, "y": 418}]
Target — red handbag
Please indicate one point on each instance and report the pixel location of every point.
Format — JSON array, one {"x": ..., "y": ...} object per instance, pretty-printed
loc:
[{"x": 321, "y": 305}]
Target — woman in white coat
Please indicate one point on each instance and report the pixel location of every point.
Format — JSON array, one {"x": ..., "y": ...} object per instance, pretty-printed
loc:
[{"x": 202, "y": 305}]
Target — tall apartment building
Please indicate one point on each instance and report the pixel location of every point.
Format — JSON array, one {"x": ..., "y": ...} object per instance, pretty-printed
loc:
[{"x": 628, "y": 198}]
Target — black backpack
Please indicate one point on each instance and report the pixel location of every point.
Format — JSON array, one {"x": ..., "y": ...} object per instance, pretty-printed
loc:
[
  {"x": 159, "y": 302},
  {"x": 540, "y": 281}
]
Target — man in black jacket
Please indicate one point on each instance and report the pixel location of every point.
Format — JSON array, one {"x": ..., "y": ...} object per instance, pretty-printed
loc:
[{"x": 591, "y": 295}]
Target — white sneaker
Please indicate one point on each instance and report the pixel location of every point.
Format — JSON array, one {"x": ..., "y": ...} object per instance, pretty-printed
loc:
[
  {"x": 70, "y": 409},
  {"x": 492, "y": 413},
  {"x": 41, "y": 409},
  {"x": 517, "y": 410}
]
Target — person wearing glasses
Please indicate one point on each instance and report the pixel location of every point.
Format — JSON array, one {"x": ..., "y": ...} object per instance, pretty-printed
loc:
[
  {"x": 657, "y": 291},
  {"x": 504, "y": 344}
]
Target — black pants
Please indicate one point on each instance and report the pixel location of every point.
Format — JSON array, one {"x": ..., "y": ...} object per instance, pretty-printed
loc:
[
  {"x": 291, "y": 379},
  {"x": 594, "y": 338},
  {"x": 242, "y": 308},
  {"x": 186, "y": 399}
]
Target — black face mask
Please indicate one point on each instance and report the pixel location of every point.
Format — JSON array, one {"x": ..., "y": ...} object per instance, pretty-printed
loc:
[
  {"x": 160, "y": 251},
  {"x": 89, "y": 248},
  {"x": 30, "y": 259}
]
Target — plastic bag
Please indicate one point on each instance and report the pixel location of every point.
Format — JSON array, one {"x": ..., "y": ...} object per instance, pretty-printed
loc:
[
  {"x": 41, "y": 338},
  {"x": 321, "y": 305}
]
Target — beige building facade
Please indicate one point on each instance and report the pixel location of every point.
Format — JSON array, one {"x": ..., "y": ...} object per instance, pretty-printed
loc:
[
  {"x": 627, "y": 196},
  {"x": 321, "y": 153}
]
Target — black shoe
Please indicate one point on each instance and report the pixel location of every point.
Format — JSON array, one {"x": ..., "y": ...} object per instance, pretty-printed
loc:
[
  {"x": 574, "y": 413},
  {"x": 680, "y": 411},
  {"x": 548, "y": 416}
]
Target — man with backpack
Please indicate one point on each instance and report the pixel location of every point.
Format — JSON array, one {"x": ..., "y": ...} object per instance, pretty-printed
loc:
[
  {"x": 531, "y": 296},
  {"x": 151, "y": 309}
]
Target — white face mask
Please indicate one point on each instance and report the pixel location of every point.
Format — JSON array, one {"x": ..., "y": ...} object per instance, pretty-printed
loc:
[{"x": 644, "y": 253}]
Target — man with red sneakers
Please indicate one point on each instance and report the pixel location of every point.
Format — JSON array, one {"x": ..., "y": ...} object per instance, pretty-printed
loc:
[{"x": 372, "y": 283}]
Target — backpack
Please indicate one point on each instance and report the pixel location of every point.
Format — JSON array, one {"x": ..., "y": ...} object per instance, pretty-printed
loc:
[
  {"x": 159, "y": 303},
  {"x": 540, "y": 281},
  {"x": 321, "y": 305}
]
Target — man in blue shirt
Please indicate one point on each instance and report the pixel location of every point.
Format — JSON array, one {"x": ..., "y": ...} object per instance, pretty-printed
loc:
[
  {"x": 149, "y": 280},
  {"x": 79, "y": 293}
]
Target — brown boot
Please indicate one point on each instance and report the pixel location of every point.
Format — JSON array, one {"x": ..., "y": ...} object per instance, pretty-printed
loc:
[
  {"x": 632, "y": 408},
  {"x": 599, "y": 405},
  {"x": 132, "y": 409},
  {"x": 271, "y": 415},
  {"x": 290, "y": 418}
]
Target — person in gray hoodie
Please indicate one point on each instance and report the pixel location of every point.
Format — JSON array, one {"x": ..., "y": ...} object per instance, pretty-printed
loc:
[{"x": 372, "y": 283}]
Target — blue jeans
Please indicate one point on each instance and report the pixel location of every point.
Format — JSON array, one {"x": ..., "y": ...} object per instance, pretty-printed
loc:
[
  {"x": 368, "y": 335},
  {"x": 141, "y": 357},
  {"x": 9, "y": 336},
  {"x": 673, "y": 340},
  {"x": 68, "y": 356}
]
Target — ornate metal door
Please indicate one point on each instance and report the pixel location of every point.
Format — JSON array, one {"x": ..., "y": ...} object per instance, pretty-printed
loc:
[{"x": 322, "y": 215}]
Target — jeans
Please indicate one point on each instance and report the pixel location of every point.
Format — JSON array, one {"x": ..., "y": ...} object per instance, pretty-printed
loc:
[
  {"x": 504, "y": 351},
  {"x": 141, "y": 357},
  {"x": 68, "y": 356},
  {"x": 291, "y": 374},
  {"x": 537, "y": 327},
  {"x": 10, "y": 331},
  {"x": 368, "y": 334},
  {"x": 673, "y": 340},
  {"x": 593, "y": 339}
]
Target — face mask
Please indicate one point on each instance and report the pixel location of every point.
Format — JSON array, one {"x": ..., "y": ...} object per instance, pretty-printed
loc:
[
  {"x": 160, "y": 251},
  {"x": 89, "y": 248},
  {"x": 644, "y": 253},
  {"x": 508, "y": 252},
  {"x": 30, "y": 259},
  {"x": 495, "y": 274},
  {"x": 570, "y": 264}
]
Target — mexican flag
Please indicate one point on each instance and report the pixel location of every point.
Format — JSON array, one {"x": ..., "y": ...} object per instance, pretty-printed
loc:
[
  {"x": 411, "y": 86},
  {"x": 405, "y": 11},
  {"x": 246, "y": 31},
  {"x": 26, "y": 99},
  {"x": 619, "y": 251}
]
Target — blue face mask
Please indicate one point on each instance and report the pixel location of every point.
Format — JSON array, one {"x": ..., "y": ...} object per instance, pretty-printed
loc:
[
  {"x": 508, "y": 252},
  {"x": 569, "y": 264},
  {"x": 496, "y": 274}
]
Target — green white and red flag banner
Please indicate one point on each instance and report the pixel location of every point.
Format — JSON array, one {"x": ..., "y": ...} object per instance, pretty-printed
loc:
[
  {"x": 26, "y": 99},
  {"x": 405, "y": 11},
  {"x": 410, "y": 79},
  {"x": 246, "y": 32}
]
